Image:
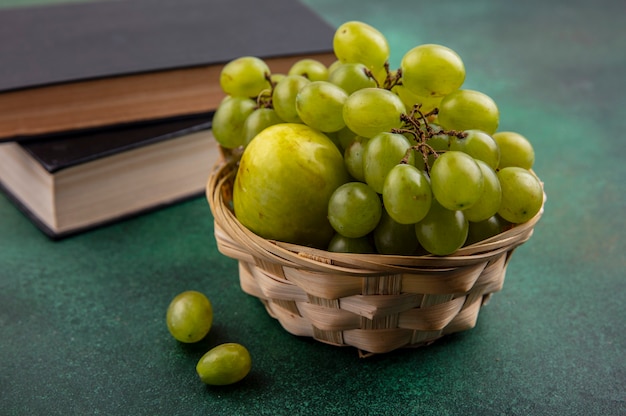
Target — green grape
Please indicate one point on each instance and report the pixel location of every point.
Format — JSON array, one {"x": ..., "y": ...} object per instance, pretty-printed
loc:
[
  {"x": 478, "y": 145},
  {"x": 457, "y": 180},
  {"x": 351, "y": 77},
  {"x": 343, "y": 244},
  {"x": 432, "y": 70},
  {"x": 257, "y": 121},
  {"x": 370, "y": 111},
  {"x": 380, "y": 154},
  {"x": 482, "y": 230},
  {"x": 189, "y": 316},
  {"x": 224, "y": 364},
  {"x": 406, "y": 194},
  {"x": 353, "y": 158},
  {"x": 442, "y": 231},
  {"x": 409, "y": 98},
  {"x": 489, "y": 201},
  {"x": 358, "y": 42},
  {"x": 229, "y": 119},
  {"x": 345, "y": 137},
  {"x": 311, "y": 69},
  {"x": 284, "y": 97},
  {"x": 468, "y": 110},
  {"x": 245, "y": 77},
  {"x": 336, "y": 64},
  {"x": 354, "y": 209},
  {"x": 522, "y": 194},
  {"x": 274, "y": 78},
  {"x": 319, "y": 105},
  {"x": 391, "y": 237},
  {"x": 515, "y": 150}
]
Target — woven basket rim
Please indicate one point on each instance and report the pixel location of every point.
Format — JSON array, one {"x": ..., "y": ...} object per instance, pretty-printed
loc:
[{"x": 238, "y": 242}]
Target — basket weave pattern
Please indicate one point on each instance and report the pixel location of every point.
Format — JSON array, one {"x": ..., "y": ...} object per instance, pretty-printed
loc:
[{"x": 376, "y": 303}]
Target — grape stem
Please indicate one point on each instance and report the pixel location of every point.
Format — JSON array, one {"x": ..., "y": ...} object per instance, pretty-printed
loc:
[
  {"x": 264, "y": 99},
  {"x": 416, "y": 125},
  {"x": 391, "y": 79}
]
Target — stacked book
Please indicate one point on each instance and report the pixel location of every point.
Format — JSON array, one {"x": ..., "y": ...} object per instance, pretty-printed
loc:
[{"x": 106, "y": 106}]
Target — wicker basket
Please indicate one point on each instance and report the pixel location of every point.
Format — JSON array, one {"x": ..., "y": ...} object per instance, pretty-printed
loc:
[{"x": 376, "y": 303}]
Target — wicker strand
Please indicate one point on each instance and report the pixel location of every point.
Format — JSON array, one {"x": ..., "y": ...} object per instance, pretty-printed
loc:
[{"x": 375, "y": 303}]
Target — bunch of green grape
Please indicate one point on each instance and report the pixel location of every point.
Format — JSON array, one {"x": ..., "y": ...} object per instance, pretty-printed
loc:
[{"x": 430, "y": 171}]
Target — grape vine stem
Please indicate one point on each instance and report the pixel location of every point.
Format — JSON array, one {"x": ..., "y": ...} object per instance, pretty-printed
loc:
[{"x": 416, "y": 124}]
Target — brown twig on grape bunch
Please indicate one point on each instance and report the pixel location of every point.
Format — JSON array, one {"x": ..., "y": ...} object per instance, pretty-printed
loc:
[
  {"x": 416, "y": 124},
  {"x": 264, "y": 99},
  {"x": 391, "y": 78}
]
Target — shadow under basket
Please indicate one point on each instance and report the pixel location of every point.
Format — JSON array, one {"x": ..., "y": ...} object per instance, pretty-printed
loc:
[{"x": 375, "y": 303}]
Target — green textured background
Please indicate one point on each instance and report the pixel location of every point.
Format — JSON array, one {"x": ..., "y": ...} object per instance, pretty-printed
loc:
[{"x": 82, "y": 326}]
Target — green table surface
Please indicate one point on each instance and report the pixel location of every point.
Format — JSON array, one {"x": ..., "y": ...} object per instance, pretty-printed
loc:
[{"x": 82, "y": 320}]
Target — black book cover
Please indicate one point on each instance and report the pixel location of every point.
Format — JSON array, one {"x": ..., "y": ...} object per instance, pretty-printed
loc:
[
  {"x": 43, "y": 45},
  {"x": 73, "y": 148}
]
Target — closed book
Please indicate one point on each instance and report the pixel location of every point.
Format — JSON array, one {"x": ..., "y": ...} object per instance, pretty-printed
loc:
[
  {"x": 80, "y": 181},
  {"x": 85, "y": 65}
]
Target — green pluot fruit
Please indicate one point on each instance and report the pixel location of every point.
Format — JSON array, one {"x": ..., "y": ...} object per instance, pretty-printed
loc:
[{"x": 286, "y": 176}]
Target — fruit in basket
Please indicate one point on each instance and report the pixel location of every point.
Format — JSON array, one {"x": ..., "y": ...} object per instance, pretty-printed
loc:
[
  {"x": 407, "y": 194},
  {"x": 358, "y": 42},
  {"x": 319, "y": 104},
  {"x": 427, "y": 150},
  {"x": 284, "y": 96},
  {"x": 351, "y": 77},
  {"x": 311, "y": 69},
  {"x": 409, "y": 98},
  {"x": 391, "y": 237},
  {"x": 229, "y": 121},
  {"x": 522, "y": 194},
  {"x": 431, "y": 70},
  {"x": 244, "y": 77},
  {"x": 370, "y": 111},
  {"x": 258, "y": 121},
  {"x": 380, "y": 154},
  {"x": 442, "y": 231},
  {"x": 285, "y": 178},
  {"x": 490, "y": 198},
  {"x": 224, "y": 364},
  {"x": 342, "y": 244},
  {"x": 469, "y": 110},
  {"x": 354, "y": 209},
  {"x": 457, "y": 180},
  {"x": 516, "y": 150},
  {"x": 189, "y": 316},
  {"x": 479, "y": 145},
  {"x": 482, "y": 230}
]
